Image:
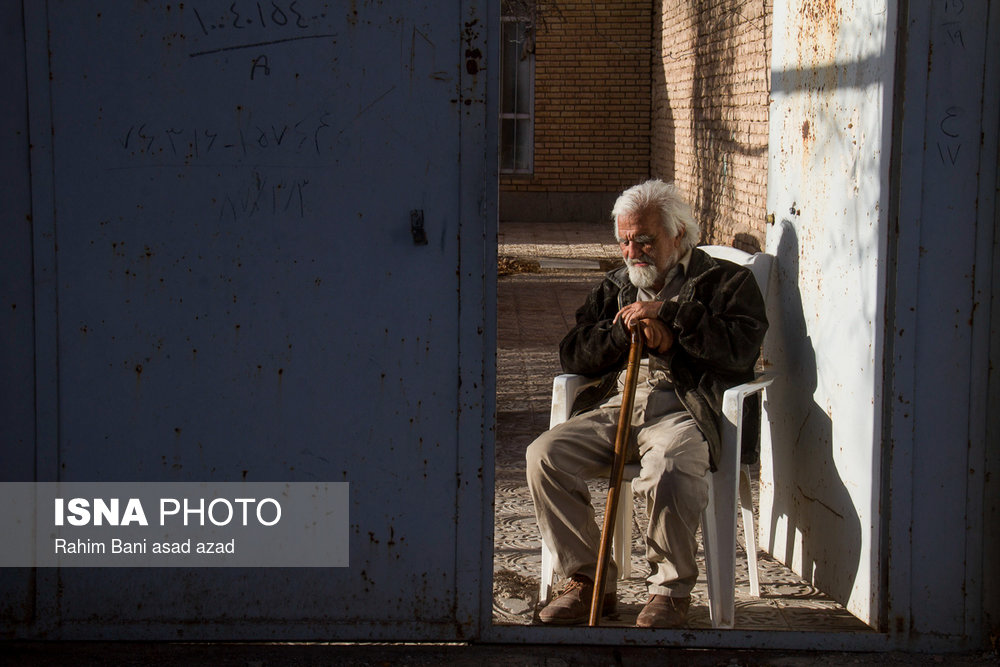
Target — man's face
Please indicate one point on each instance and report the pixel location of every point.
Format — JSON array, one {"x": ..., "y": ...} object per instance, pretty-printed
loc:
[{"x": 648, "y": 252}]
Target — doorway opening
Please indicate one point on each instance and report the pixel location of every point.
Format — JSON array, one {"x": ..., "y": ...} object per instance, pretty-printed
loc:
[{"x": 545, "y": 271}]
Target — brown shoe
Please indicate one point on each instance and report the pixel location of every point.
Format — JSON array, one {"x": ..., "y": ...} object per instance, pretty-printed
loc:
[
  {"x": 572, "y": 605},
  {"x": 663, "y": 611}
]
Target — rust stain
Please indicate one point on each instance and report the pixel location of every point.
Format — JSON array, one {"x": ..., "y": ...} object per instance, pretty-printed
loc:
[
  {"x": 816, "y": 32},
  {"x": 819, "y": 21},
  {"x": 472, "y": 57},
  {"x": 472, "y": 53}
]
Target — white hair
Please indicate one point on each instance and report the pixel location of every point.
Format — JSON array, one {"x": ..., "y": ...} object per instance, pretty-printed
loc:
[{"x": 667, "y": 199}]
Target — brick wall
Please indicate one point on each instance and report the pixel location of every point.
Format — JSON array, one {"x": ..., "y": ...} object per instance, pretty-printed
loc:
[
  {"x": 592, "y": 99},
  {"x": 709, "y": 120},
  {"x": 626, "y": 90}
]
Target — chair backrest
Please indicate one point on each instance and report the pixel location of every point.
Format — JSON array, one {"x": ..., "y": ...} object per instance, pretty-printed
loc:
[{"x": 759, "y": 263}]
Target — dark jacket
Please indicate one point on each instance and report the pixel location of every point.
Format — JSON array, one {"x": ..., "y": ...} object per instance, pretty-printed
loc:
[{"x": 718, "y": 322}]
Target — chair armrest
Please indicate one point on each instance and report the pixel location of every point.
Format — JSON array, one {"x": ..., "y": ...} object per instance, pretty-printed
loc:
[
  {"x": 727, "y": 472},
  {"x": 732, "y": 400},
  {"x": 565, "y": 389}
]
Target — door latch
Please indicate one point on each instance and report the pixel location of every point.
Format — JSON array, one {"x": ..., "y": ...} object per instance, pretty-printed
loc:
[{"x": 417, "y": 227}]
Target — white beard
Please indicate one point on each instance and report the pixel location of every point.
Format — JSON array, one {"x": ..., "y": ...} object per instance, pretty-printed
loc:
[
  {"x": 646, "y": 277},
  {"x": 643, "y": 277}
]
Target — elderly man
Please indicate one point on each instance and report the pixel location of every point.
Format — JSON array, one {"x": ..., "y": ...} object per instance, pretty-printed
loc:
[{"x": 703, "y": 322}]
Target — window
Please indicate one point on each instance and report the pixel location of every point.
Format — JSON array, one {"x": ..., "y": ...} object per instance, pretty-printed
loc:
[{"x": 517, "y": 67}]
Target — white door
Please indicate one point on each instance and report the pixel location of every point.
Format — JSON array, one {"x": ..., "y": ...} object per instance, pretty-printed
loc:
[{"x": 830, "y": 140}]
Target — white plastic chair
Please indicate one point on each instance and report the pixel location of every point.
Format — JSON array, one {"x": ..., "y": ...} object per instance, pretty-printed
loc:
[{"x": 730, "y": 481}]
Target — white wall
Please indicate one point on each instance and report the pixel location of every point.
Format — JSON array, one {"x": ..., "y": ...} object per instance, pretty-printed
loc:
[{"x": 830, "y": 141}]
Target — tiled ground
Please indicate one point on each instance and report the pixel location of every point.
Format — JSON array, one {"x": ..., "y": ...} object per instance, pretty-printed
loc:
[
  {"x": 534, "y": 310},
  {"x": 557, "y": 240}
]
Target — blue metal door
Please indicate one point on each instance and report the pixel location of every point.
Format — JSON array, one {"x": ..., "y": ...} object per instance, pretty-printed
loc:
[{"x": 258, "y": 255}]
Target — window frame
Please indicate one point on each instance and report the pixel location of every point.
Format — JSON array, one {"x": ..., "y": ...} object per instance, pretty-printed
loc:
[{"x": 515, "y": 116}]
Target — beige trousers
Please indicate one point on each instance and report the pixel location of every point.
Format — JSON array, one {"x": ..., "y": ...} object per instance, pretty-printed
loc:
[{"x": 673, "y": 455}]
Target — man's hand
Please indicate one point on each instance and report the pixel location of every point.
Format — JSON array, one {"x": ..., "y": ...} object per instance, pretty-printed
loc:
[
  {"x": 640, "y": 310},
  {"x": 657, "y": 335}
]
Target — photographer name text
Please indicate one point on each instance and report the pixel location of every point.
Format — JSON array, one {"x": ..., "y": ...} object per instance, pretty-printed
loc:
[{"x": 141, "y": 547}]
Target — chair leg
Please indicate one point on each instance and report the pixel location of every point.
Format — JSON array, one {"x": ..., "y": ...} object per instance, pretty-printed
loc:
[
  {"x": 622, "y": 541},
  {"x": 545, "y": 588},
  {"x": 709, "y": 538},
  {"x": 719, "y": 537},
  {"x": 749, "y": 533}
]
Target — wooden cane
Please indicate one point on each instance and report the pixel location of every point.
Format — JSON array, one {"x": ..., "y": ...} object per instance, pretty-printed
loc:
[{"x": 617, "y": 471}]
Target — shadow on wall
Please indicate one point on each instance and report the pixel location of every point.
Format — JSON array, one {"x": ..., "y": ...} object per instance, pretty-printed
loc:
[
  {"x": 721, "y": 146},
  {"x": 662, "y": 127},
  {"x": 821, "y": 528},
  {"x": 747, "y": 243}
]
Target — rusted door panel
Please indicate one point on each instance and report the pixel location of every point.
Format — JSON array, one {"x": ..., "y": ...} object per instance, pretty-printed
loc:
[
  {"x": 17, "y": 416},
  {"x": 941, "y": 323},
  {"x": 240, "y": 295}
]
